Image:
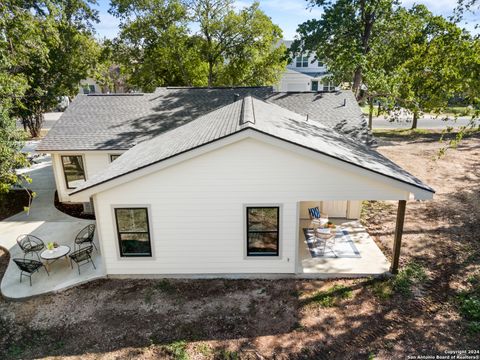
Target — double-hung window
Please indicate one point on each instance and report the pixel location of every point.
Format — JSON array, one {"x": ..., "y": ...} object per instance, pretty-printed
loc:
[
  {"x": 73, "y": 170},
  {"x": 263, "y": 233},
  {"x": 301, "y": 61},
  {"x": 133, "y": 232}
]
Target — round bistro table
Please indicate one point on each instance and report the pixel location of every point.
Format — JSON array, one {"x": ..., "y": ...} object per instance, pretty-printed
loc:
[{"x": 50, "y": 256}]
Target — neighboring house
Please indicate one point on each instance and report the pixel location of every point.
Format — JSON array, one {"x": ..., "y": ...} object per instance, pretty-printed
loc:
[
  {"x": 89, "y": 86},
  {"x": 213, "y": 181},
  {"x": 305, "y": 73},
  {"x": 112, "y": 76}
]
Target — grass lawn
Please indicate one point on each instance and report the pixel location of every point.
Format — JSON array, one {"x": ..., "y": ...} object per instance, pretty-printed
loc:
[{"x": 433, "y": 305}]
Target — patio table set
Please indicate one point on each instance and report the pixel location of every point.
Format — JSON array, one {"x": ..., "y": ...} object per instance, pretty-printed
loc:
[{"x": 33, "y": 245}]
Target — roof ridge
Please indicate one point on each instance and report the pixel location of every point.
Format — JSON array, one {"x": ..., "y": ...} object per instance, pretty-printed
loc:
[{"x": 247, "y": 114}]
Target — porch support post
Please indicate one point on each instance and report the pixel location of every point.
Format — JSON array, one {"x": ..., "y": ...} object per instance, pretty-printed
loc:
[{"x": 397, "y": 243}]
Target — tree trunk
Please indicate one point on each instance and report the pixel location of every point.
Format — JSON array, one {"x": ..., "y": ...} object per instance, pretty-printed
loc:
[
  {"x": 210, "y": 73},
  {"x": 370, "y": 113},
  {"x": 357, "y": 81},
  {"x": 415, "y": 120},
  {"x": 34, "y": 123}
]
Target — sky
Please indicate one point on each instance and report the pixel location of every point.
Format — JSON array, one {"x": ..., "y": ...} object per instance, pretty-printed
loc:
[{"x": 289, "y": 13}]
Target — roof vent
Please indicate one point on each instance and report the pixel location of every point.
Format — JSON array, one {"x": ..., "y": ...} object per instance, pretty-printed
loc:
[
  {"x": 236, "y": 96},
  {"x": 344, "y": 102}
]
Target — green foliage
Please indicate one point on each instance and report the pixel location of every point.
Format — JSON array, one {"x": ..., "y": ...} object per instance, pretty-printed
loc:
[
  {"x": 346, "y": 38},
  {"x": 469, "y": 304},
  {"x": 470, "y": 308},
  {"x": 410, "y": 275},
  {"x": 225, "y": 354},
  {"x": 382, "y": 290},
  {"x": 406, "y": 58},
  {"x": 157, "y": 48},
  {"x": 330, "y": 297},
  {"x": 204, "y": 349},
  {"x": 240, "y": 48},
  {"x": 11, "y": 158},
  {"x": 49, "y": 48},
  {"x": 178, "y": 350}
]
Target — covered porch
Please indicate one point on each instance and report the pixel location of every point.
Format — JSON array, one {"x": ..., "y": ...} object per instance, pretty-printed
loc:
[
  {"x": 354, "y": 255},
  {"x": 350, "y": 252}
]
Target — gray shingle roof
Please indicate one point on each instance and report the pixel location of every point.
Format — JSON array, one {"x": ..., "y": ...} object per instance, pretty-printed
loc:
[
  {"x": 255, "y": 114},
  {"x": 118, "y": 122},
  {"x": 338, "y": 110}
]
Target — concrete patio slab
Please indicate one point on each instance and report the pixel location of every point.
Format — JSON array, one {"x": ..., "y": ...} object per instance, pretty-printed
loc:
[
  {"x": 50, "y": 225},
  {"x": 372, "y": 262}
]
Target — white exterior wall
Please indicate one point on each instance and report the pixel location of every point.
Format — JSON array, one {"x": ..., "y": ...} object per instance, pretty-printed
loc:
[
  {"x": 296, "y": 80},
  {"x": 349, "y": 209},
  {"x": 196, "y": 208},
  {"x": 94, "y": 162},
  {"x": 88, "y": 82}
]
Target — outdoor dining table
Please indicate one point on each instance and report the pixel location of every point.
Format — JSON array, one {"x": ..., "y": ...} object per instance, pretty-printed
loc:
[{"x": 50, "y": 256}]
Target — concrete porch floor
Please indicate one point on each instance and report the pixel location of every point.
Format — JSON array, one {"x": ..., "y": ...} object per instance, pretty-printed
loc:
[
  {"x": 50, "y": 225},
  {"x": 370, "y": 263}
]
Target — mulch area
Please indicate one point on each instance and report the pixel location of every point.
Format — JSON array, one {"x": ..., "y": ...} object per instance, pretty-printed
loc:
[
  {"x": 282, "y": 319},
  {"x": 74, "y": 210},
  {"x": 12, "y": 203}
]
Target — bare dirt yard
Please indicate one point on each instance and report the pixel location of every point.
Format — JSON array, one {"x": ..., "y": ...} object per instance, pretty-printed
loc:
[{"x": 429, "y": 308}]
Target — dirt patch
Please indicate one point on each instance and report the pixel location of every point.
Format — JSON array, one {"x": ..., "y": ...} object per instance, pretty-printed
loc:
[
  {"x": 287, "y": 319},
  {"x": 74, "y": 210},
  {"x": 12, "y": 203}
]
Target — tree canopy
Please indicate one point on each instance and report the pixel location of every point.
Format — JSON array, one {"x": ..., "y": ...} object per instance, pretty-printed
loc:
[
  {"x": 409, "y": 58},
  {"x": 157, "y": 47}
]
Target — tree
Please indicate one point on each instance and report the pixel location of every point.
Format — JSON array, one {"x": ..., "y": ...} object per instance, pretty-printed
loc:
[
  {"x": 430, "y": 53},
  {"x": 343, "y": 38},
  {"x": 68, "y": 52},
  {"x": 156, "y": 46},
  {"x": 239, "y": 48},
  {"x": 13, "y": 84},
  {"x": 153, "y": 47}
]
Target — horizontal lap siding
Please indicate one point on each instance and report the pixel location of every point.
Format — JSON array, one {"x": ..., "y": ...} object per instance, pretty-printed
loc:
[{"x": 197, "y": 208}]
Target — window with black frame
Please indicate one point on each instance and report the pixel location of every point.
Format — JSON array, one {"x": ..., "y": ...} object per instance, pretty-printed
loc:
[
  {"x": 133, "y": 232},
  {"x": 73, "y": 170},
  {"x": 263, "y": 231}
]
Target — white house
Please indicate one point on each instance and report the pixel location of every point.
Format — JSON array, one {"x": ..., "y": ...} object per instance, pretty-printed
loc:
[
  {"x": 305, "y": 73},
  {"x": 221, "y": 193}
]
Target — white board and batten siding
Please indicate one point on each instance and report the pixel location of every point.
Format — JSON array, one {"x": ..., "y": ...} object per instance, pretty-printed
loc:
[
  {"x": 197, "y": 208},
  {"x": 93, "y": 161}
]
